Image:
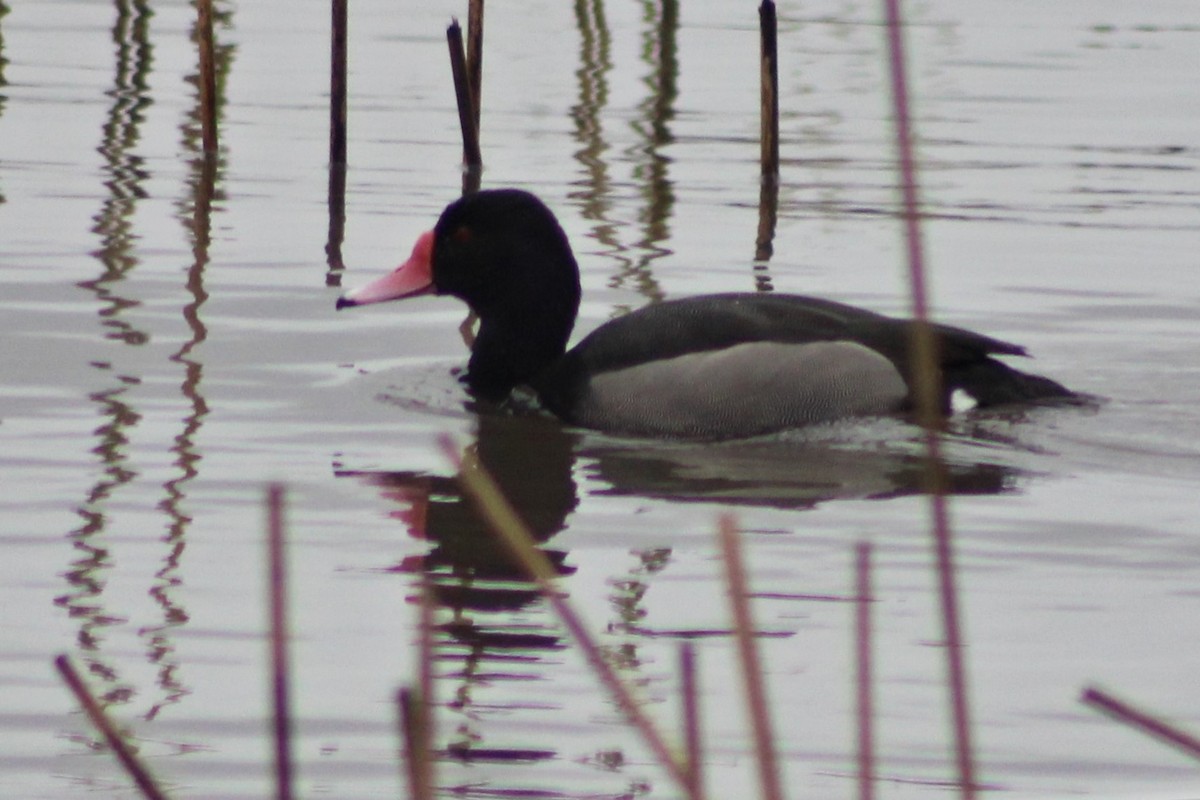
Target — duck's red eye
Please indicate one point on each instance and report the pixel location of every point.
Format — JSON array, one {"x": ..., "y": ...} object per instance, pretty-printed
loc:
[{"x": 462, "y": 234}]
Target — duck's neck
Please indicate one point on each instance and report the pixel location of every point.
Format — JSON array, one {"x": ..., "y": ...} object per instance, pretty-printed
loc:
[{"x": 519, "y": 342}]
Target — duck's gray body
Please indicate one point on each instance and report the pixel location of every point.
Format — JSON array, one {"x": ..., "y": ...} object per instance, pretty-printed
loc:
[{"x": 735, "y": 365}]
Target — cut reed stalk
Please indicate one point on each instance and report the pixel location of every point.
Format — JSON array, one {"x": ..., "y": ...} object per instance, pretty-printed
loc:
[
  {"x": 1143, "y": 721},
  {"x": 475, "y": 58},
  {"x": 280, "y": 686},
  {"x": 769, "y": 90},
  {"x": 764, "y": 240},
  {"x": 864, "y": 697},
  {"x": 927, "y": 392},
  {"x": 207, "y": 76},
  {"x": 509, "y": 529},
  {"x": 338, "y": 87},
  {"x": 462, "y": 93},
  {"x": 337, "y": 224},
  {"x": 690, "y": 703},
  {"x": 752, "y": 672},
  {"x": 125, "y": 754}
]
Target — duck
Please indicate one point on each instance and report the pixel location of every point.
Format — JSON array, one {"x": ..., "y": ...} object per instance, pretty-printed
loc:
[{"x": 719, "y": 366}]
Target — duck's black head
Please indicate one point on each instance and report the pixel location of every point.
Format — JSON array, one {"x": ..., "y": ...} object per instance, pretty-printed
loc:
[{"x": 503, "y": 253}]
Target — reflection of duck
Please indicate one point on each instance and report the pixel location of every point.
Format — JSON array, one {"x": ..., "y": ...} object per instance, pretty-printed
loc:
[
  {"x": 534, "y": 460},
  {"x": 717, "y": 366},
  {"x": 491, "y": 633},
  {"x": 531, "y": 458},
  {"x": 784, "y": 473}
]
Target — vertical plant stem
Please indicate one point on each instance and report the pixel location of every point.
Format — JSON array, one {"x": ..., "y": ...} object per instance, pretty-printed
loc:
[
  {"x": 507, "y": 525},
  {"x": 337, "y": 224},
  {"x": 338, "y": 87},
  {"x": 927, "y": 392},
  {"x": 769, "y": 79},
  {"x": 768, "y": 200},
  {"x": 475, "y": 58},
  {"x": 690, "y": 703},
  {"x": 277, "y": 569},
  {"x": 752, "y": 673},
  {"x": 338, "y": 99},
  {"x": 207, "y": 77},
  {"x": 462, "y": 92},
  {"x": 864, "y": 697},
  {"x": 952, "y": 631},
  {"x": 1141, "y": 720},
  {"x": 125, "y": 754}
]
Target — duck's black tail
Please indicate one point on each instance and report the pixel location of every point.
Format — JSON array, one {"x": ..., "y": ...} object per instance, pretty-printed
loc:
[{"x": 993, "y": 383}]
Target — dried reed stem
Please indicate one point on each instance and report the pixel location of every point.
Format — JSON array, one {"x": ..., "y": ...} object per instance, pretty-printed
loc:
[
  {"x": 1147, "y": 723},
  {"x": 462, "y": 93},
  {"x": 277, "y": 579},
  {"x": 752, "y": 673},
  {"x": 769, "y": 90},
  {"x": 475, "y": 57},
  {"x": 125, "y": 754},
  {"x": 338, "y": 87},
  {"x": 927, "y": 392},
  {"x": 509, "y": 528},
  {"x": 690, "y": 703},
  {"x": 415, "y": 737},
  {"x": 865, "y": 700},
  {"x": 207, "y": 76}
]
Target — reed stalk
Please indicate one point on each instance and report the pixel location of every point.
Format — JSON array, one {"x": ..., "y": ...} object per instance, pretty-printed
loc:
[
  {"x": 864, "y": 696},
  {"x": 690, "y": 703},
  {"x": 927, "y": 392},
  {"x": 207, "y": 77},
  {"x": 475, "y": 58},
  {"x": 769, "y": 90},
  {"x": 1143, "y": 721},
  {"x": 125, "y": 754},
  {"x": 280, "y": 684},
  {"x": 472, "y": 159},
  {"x": 752, "y": 672},
  {"x": 338, "y": 86}
]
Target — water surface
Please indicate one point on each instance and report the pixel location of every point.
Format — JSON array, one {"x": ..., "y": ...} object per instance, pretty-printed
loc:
[{"x": 170, "y": 345}]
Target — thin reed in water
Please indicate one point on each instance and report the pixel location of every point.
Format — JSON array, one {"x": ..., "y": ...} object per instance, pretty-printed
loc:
[
  {"x": 928, "y": 408},
  {"x": 125, "y": 754},
  {"x": 752, "y": 672}
]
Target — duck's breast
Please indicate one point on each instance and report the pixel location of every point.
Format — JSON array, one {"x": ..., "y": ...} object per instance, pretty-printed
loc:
[{"x": 742, "y": 390}]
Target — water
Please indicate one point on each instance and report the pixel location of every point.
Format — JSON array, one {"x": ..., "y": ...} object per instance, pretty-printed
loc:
[{"x": 161, "y": 364}]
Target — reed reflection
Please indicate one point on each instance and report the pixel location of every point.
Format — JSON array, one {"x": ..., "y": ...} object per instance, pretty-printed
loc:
[
  {"x": 594, "y": 192},
  {"x": 194, "y": 211},
  {"x": 657, "y": 109},
  {"x": 124, "y": 179},
  {"x": 652, "y": 126},
  {"x": 652, "y": 133},
  {"x": 3, "y": 63},
  {"x": 124, "y": 176}
]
